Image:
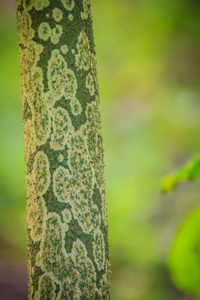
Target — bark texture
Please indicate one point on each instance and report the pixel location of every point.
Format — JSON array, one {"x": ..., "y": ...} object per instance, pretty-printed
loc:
[{"x": 68, "y": 253}]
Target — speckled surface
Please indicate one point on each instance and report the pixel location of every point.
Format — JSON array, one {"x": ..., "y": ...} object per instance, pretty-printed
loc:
[{"x": 66, "y": 208}]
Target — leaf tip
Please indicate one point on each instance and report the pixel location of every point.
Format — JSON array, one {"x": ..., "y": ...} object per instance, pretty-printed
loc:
[{"x": 168, "y": 184}]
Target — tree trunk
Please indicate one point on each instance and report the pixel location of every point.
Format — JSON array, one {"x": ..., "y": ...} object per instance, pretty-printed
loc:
[{"x": 66, "y": 208}]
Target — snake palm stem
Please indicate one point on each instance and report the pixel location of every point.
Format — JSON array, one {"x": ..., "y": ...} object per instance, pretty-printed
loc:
[{"x": 68, "y": 256}]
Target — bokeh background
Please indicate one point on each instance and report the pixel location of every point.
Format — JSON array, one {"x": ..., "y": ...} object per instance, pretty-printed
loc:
[{"x": 148, "y": 54}]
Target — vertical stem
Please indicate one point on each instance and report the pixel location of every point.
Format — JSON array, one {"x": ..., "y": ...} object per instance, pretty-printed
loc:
[{"x": 68, "y": 253}]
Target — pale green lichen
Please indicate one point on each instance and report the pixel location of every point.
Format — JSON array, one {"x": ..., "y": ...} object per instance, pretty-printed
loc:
[
  {"x": 83, "y": 47},
  {"x": 57, "y": 14},
  {"x": 33, "y": 90},
  {"x": 62, "y": 128},
  {"x": 29, "y": 57},
  {"x": 40, "y": 112},
  {"x": 46, "y": 288},
  {"x": 87, "y": 281},
  {"x": 95, "y": 141},
  {"x": 61, "y": 183},
  {"x": 90, "y": 85},
  {"x": 54, "y": 37},
  {"x": 44, "y": 31},
  {"x": 75, "y": 106},
  {"x": 104, "y": 290},
  {"x": 37, "y": 184},
  {"x": 64, "y": 49},
  {"x": 70, "y": 17},
  {"x": 52, "y": 244},
  {"x": 99, "y": 248},
  {"x": 24, "y": 25},
  {"x": 104, "y": 205},
  {"x": 56, "y": 33},
  {"x": 77, "y": 186},
  {"x": 68, "y": 4},
  {"x": 67, "y": 216},
  {"x": 29, "y": 140},
  {"x": 75, "y": 270},
  {"x": 35, "y": 215},
  {"x": 37, "y": 4},
  {"x": 60, "y": 157},
  {"x": 41, "y": 173},
  {"x": 86, "y": 9},
  {"x": 61, "y": 79}
]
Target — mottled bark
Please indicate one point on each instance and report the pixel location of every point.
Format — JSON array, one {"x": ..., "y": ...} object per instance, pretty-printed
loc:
[{"x": 68, "y": 254}]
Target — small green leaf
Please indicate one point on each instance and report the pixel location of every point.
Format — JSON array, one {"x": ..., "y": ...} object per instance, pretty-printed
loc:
[
  {"x": 189, "y": 171},
  {"x": 184, "y": 258},
  {"x": 169, "y": 183}
]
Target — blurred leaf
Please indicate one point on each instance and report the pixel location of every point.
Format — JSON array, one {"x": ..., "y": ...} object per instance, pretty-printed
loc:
[
  {"x": 184, "y": 258},
  {"x": 189, "y": 171}
]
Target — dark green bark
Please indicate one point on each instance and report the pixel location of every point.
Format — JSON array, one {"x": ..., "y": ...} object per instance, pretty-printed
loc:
[{"x": 66, "y": 208}]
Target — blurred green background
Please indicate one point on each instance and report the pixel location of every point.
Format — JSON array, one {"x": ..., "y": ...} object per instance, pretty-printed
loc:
[{"x": 148, "y": 54}]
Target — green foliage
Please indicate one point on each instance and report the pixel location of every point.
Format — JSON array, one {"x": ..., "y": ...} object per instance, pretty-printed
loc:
[
  {"x": 189, "y": 171},
  {"x": 184, "y": 258}
]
